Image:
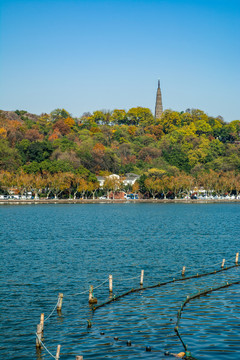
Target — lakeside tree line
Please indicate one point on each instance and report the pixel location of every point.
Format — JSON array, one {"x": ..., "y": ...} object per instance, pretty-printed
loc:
[{"x": 59, "y": 154}]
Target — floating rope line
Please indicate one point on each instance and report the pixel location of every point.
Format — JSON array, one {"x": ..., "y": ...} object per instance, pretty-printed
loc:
[
  {"x": 83, "y": 292},
  {"x": 188, "y": 299},
  {"x": 52, "y": 311},
  {"x": 87, "y": 291},
  {"x": 96, "y": 287},
  {"x": 45, "y": 347},
  {"x": 161, "y": 284}
]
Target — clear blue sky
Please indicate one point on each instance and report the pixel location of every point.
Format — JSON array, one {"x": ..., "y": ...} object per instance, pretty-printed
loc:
[{"x": 88, "y": 55}]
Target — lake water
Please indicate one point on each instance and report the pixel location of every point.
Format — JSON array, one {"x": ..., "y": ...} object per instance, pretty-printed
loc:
[{"x": 47, "y": 249}]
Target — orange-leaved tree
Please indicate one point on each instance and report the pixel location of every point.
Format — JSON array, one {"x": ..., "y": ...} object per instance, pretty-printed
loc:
[{"x": 93, "y": 186}]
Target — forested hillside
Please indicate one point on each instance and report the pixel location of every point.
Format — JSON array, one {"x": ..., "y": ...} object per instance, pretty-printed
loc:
[{"x": 186, "y": 144}]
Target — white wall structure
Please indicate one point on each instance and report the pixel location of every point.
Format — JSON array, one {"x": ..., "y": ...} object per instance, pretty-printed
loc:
[{"x": 129, "y": 179}]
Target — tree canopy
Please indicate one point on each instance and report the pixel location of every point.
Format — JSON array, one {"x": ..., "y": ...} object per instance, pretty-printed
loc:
[{"x": 119, "y": 141}]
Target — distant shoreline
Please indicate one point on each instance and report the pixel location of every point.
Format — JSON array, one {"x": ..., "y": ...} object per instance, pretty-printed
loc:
[{"x": 117, "y": 201}]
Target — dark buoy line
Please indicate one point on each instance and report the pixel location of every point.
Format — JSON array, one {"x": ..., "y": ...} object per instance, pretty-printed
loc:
[{"x": 147, "y": 348}]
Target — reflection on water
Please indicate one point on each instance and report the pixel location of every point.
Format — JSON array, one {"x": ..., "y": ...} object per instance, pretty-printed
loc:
[{"x": 48, "y": 249}]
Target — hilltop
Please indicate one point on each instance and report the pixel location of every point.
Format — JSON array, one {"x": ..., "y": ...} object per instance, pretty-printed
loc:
[{"x": 189, "y": 143}]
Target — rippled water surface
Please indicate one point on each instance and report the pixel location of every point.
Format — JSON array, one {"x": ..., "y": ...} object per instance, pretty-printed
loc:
[{"x": 47, "y": 249}]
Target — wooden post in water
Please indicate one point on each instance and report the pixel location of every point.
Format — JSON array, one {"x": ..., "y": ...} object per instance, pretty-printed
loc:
[
  {"x": 58, "y": 352},
  {"x": 183, "y": 270},
  {"x": 79, "y": 357},
  {"x": 237, "y": 254},
  {"x": 90, "y": 293},
  {"x": 92, "y": 300},
  {"x": 141, "y": 278},
  {"x": 39, "y": 336},
  {"x": 42, "y": 321},
  {"x": 60, "y": 300},
  {"x": 110, "y": 283},
  {"x": 223, "y": 262}
]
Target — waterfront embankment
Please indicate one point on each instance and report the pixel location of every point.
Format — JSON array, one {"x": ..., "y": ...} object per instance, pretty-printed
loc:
[{"x": 116, "y": 201}]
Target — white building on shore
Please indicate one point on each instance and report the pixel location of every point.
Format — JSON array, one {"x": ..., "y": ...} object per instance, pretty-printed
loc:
[{"x": 129, "y": 179}]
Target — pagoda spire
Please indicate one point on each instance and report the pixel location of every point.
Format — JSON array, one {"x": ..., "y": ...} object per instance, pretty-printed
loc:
[{"x": 158, "y": 106}]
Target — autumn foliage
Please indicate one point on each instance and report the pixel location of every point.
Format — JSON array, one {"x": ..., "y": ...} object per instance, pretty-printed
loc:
[{"x": 59, "y": 154}]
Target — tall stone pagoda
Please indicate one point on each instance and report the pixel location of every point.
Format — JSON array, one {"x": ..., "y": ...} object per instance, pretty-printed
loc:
[{"x": 158, "y": 106}]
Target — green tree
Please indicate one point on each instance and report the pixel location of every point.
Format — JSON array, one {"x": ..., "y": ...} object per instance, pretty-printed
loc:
[
  {"x": 141, "y": 182},
  {"x": 9, "y": 157},
  {"x": 119, "y": 117},
  {"x": 35, "y": 151},
  {"x": 140, "y": 116},
  {"x": 170, "y": 120},
  {"x": 59, "y": 114},
  {"x": 203, "y": 127},
  {"x": 99, "y": 117},
  {"x": 175, "y": 156}
]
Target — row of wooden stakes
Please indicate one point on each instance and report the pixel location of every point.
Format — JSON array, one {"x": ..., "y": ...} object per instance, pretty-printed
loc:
[
  {"x": 92, "y": 300},
  {"x": 39, "y": 339}
]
